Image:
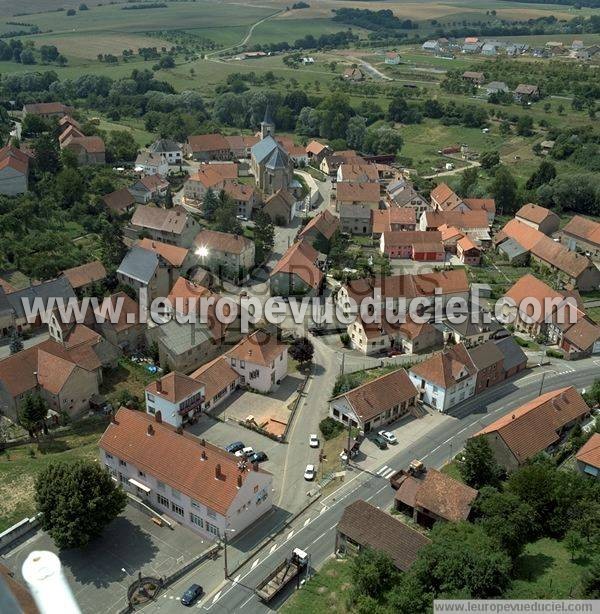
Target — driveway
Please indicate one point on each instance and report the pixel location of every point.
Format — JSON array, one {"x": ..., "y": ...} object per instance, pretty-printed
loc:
[{"x": 100, "y": 574}]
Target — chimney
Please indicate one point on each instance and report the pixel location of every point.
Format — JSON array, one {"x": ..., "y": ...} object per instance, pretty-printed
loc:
[
  {"x": 159, "y": 385},
  {"x": 255, "y": 466},
  {"x": 158, "y": 417},
  {"x": 218, "y": 474},
  {"x": 203, "y": 455},
  {"x": 239, "y": 481},
  {"x": 113, "y": 419},
  {"x": 179, "y": 430},
  {"x": 203, "y": 442},
  {"x": 150, "y": 430}
]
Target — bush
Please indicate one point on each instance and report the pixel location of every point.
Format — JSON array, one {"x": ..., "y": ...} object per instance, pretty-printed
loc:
[
  {"x": 345, "y": 339},
  {"x": 554, "y": 353},
  {"x": 330, "y": 428}
]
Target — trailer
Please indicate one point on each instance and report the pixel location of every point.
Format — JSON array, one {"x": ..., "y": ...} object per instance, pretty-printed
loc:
[{"x": 282, "y": 575}]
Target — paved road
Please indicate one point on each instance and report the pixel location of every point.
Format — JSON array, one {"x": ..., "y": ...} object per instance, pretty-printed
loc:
[
  {"x": 27, "y": 343},
  {"x": 374, "y": 72},
  {"x": 314, "y": 531}
]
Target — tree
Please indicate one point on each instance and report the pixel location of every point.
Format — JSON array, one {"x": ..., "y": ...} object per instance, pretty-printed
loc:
[
  {"x": 468, "y": 180},
  {"x": 479, "y": 467},
  {"x": 210, "y": 203},
  {"x": 70, "y": 186},
  {"x": 574, "y": 543},
  {"x": 373, "y": 574},
  {"x": 46, "y": 154},
  {"x": 264, "y": 236},
  {"x": 525, "y": 125},
  {"x": 302, "y": 350},
  {"x": 226, "y": 215},
  {"x": 32, "y": 413},
  {"x": 71, "y": 12},
  {"x": 113, "y": 248},
  {"x": 590, "y": 580},
  {"x": 504, "y": 190},
  {"x": 16, "y": 343},
  {"x": 76, "y": 501},
  {"x": 505, "y": 518},
  {"x": 544, "y": 173},
  {"x": 356, "y": 131},
  {"x": 121, "y": 146},
  {"x": 462, "y": 558},
  {"x": 489, "y": 159}
]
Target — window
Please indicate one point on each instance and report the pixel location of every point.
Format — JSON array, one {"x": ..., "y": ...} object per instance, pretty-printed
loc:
[
  {"x": 177, "y": 509},
  {"x": 211, "y": 528},
  {"x": 211, "y": 513},
  {"x": 122, "y": 463},
  {"x": 242, "y": 364},
  {"x": 150, "y": 397},
  {"x": 108, "y": 456},
  {"x": 122, "y": 478},
  {"x": 163, "y": 501},
  {"x": 233, "y": 362},
  {"x": 160, "y": 485},
  {"x": 141, "y": 474},
  {"x": 196, "y": 520}
]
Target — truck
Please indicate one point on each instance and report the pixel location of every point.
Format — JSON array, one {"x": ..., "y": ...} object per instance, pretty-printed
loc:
[{"x": 282, "y": 575}]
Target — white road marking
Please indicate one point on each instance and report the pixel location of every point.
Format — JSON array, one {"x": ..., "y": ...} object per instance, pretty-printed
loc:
[
  {"x": 273, "y": 548},
  {"x": 255, "y": 563},
  {"x": 384, "y": 468},
  {"x": 291, "y": 534},
  {"x": 306, "y": 521},
  {"x": 237, "y": 578},
  {"x": 216, "y": 597},
  {"x": 247, "y": 601},
  {"x": 323, "y": 509},
  {"x": 388, "y": 474}
]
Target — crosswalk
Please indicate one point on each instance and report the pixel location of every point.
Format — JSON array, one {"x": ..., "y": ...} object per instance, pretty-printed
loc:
[{"x": 385, "y": 472}]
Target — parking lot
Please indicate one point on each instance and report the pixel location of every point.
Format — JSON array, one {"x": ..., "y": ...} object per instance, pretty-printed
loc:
[{"x": 100, "y": 574}]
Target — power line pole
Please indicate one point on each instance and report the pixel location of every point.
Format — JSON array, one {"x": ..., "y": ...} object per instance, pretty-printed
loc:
[{"x": 542, "y": 384}]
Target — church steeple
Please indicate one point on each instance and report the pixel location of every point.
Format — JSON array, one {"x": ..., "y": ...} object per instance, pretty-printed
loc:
[{"x": 267, "y": 126}]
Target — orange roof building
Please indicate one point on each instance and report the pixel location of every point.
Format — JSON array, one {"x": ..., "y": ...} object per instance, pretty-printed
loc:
[
  {"x": 588, "y": 457},
  {"x": 297, "y": 272}
]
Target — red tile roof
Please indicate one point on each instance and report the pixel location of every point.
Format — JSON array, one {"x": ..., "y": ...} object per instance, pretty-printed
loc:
[
  {"x": 325, "y": 223},
  {"x": 173, "y": 254},
  {"x": 167, "y": 220},
  {"x": 175, "y": 459},
  {"x": 583, "y": 228},
  {"x": 85, "y": 274},
  {"x": 589, "y": 453},
  {"x": 445, "y": 197},
  {"x": 357, "y": 192},
  {"x": 534, "y": 213},
  {"x": 459, "y": 219},
  {"x": 222, "y": 241},
  {"x": 174, "y": 387},
  {"x": 534, "y": 426},
  {"x": 259, "y": 348},
  {"x": 445, "y": 368},
  {"x": 216, "y": 376},
  {"x": 300, "y": 259},
  {"x": 382, "y": 219},
  {"x": 119, "y": 200},
  {"x": 208, "y": 143},
  {"x": 14, "y": 158}
]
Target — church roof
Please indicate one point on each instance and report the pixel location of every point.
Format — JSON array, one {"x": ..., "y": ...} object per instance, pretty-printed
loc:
[
  {"x": 264, "y": 148},
  {"x": 277, "y": 159},
  {"x": 268, "y": 119}
]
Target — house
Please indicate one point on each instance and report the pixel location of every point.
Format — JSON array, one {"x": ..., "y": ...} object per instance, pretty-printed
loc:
[
  {"x": 320, "y": 229},
  {"x": 546, "y": 147},
  {"x": 298, "y": 272},
  {"x": 496, "y": 87},
  {"x": 475, "y": 204},
  {"x": 260, "y": 360},
  {"x": 476, "y": 78},
  {"x": 431, "y": 46},
  {"x": 489, "y": 364},
  {"x": 577, "y": 45},
  {"x": 150, "y": 163},
  {"x": 408, "y": 337},
  {"x": 240, "y": 145},
  {"x": 446, "y": 379},
  {"x": 146, "y": 272},
  {"x": 537, "y": 217},
  {"x": 219, "y": 380},
  {"x": 588, "y": 457},
  {"x": 172, "y": 151},
  {"x": 65, "y": 378},
  {"x": 316, "y": 152},
  {"x": 537, "y": 426},
  {"x": 376, "y": 403},
  {"x": 183, "y": 477},
  {"x": 392, "y": 58},
  {"x": 245, "y": 197},
  {"x": 174, "y": 226},
  {"x": 178, "y": 260},
  {"x": 489, "y": 49},
  {"x": 89, "y": 150},
  {"x": 127, "y": 330},
  {"x": 297, "y": 153},
  {"x": 47, "y": 110},
  {"x": 472, "y": 223},
  {"x": 84, "y": 276},
  {"x": 443, "y": 198},
  {"x": 280, "y": 207},
  {"x": 230, "y": 256},
  {"x": 526, "y": 92},
  {"x": 393, "y": 219},
  {"x": 356, "y": 219},
  {"x": 149, "y": 188},
  {"x": 582, "y": 235},
  {"x": 207, "y": 178},
  {"x": 588, "y": 53},
  {"x": 363, "y": 525},
  {"x": 400, "y": 193},
  {"x": 431, "y": 496},
  {"x": 353, "y": 74},
  {"x": 573, "y": 270},
  {"x": 468, "y": 252},
  {"x": 119, "y": 202},
  {"x": 413, "y": 245},
  {"x": 331, "y": 162},
  {"x": 354, "y": 193},
  {"x": 471, "y": 45},
  {"x": 176, "y": 396},
  {"x": 478, "y": 328},
  {"x": 581, "y": 339},
  {"x": 14, "y": 171},
  {"x": 206, "y": 147},
  {"x": 361, "y": 173}
]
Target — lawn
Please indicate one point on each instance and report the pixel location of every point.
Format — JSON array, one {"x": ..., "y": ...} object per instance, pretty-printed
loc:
[
  {"x": 593, "y": 313},
  {"x": 20, "y": 465},
  {"x": 128, "y": 376},
  {"x": 545, "y": 571},
  {"x": 324, "y": 592},
  {"x": 451, "y": 470},
  {"x": 352, "y": 380}
]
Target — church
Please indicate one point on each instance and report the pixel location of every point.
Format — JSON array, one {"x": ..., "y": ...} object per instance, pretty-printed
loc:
[{"x": 270, "y": 164}]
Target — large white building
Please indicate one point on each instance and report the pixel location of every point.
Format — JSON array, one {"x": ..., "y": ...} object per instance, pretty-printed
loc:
[{"x": 183, "y": 477}]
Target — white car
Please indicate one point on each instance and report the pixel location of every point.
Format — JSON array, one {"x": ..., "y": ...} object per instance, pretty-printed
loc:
[
  {"x": 310, "y": 472},
  {"x": 389, "y": 437},
  {"x": 244, "y": 452},
  {"x": 313, "y": 441}
]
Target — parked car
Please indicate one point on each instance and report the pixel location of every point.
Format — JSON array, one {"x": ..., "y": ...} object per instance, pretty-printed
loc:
[
  {"x": 380, "y": 442},
  {"x": 193, "y": 592},
  {"x": 313, "y": 441},
  {"x": 310, "y": 472},
  {"x": 388, "y": 436},
  {"x": 258, "y": 457},
  {"x": 235, "y": 446},
  {"x": 245, "y": 452}
]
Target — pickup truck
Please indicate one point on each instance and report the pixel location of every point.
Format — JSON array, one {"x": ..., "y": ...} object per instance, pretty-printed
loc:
[{"x": 282, "y": 575}]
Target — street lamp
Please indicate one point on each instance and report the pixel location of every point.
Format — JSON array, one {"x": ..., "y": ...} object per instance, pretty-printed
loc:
[{"x": 225, "y": 550}]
